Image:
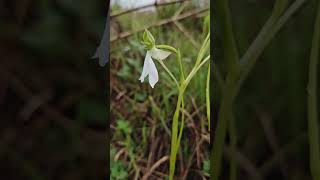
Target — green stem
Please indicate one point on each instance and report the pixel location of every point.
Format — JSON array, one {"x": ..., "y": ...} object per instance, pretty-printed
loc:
[
  {"x": 169, "y": 72},
  {"x": 208, "y": 97},
  {"x": 231, "y": 57},
  {"x": 182, "y": 78},
  {"x": 233, "y": 85},
  {"x": 268, "y": 32},
  {"x": 182, "y": 121},
  {"x": 167, "y": 48},
  {"x": 204, "y": 48},
  {"x": 233, "y": 142},
  {"x": 174, "y": 137},
  {"x": 220, "y": 132},
  {"x": 181, "y": 69},
  {"x": 231, "y": 54},
  {"x": 257, "y": 46},
  {"x": 313, "y": 124},
  {"x": 193, "y": 72},
  {"x": 218, "y": 77}
]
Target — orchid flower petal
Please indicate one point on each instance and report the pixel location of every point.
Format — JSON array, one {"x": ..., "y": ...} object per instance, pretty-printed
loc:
[
  {"x": 150, "y": 70},
  {"x": 153, "y": 74},
  {"x": 159, "y": 54},
  {"x": 145, "y": 67}
]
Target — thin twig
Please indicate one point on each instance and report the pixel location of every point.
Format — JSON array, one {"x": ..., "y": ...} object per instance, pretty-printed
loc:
[
  {"x": 159, "y": 23},
  {"x": 186, "y": 33},
  {"x": 155, "y": 4},
  {"x": 288, "y": 149},
  {"x": 243, "y": 162},
  {"x": 155, "y": 165},
  {"x": 266, "y": 122}
]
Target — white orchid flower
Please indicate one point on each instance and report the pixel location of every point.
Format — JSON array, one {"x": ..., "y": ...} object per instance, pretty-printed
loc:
[{"x": 149, "y": 68}]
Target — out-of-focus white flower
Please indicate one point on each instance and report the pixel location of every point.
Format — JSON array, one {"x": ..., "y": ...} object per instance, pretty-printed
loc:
[
  {"x": 149, "y": 68},
  {"x": 102, "y": 52}
]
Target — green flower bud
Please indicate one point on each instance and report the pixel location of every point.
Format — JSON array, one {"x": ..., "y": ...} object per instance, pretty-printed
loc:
[{"x": 148, "y": 40}]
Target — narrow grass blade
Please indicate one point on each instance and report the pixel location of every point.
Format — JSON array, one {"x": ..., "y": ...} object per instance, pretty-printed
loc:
[
  {"x": 313, "y": 125},
  {"x": 208, "y": 97}
]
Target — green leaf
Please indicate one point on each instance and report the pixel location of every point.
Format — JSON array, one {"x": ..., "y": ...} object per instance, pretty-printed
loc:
[
  {"x": 140, "y": 96},
  {"x": 124, "y": 126},
  {"x": 122, "y": 175},
  {"x": 124, "y": 72},
  {"x": 206, "y": 166}
]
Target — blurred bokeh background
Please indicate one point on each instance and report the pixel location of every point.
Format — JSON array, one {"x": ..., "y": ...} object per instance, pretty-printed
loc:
[
  {"x": 141, "y": 117},
  {"x": 270, "y": 111},
  {"x": 52, "y": 95}
]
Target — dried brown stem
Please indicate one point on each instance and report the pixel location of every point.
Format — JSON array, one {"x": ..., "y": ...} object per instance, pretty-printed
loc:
[
  {"x": 155, "y": 165},
  {"x": 159, "y": 23},
  {"x": 155, "y": 4},
  {"x": 243, "y": 162}
]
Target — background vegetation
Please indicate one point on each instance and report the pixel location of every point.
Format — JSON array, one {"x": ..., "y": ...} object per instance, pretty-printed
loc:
[
  {"x": 141, "y": 116},
  {"x": 270, "y": 112}
]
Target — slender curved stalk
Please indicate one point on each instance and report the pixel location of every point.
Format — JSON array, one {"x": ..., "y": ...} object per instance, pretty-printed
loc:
[
  {"x": 182, "y": 121},
  {"x": 182, "y": 78},
  {"x": 255, "y": 49},
  {"x": 181, "y": 68},
  {"x": 231, "y": 54},
  {"x": 169, "y": 72},
  {"x": 218, "y": 76},
  {"x": 174, "y": 137},
  {"x": 193, "y": 72},
  {"x": 208, "y": 97},
  {"x": 204, "y": 48},
  {"x": 265, "y": 36},
  {"x": 168, "y": 48},
  {"x": 220, "y": 132},
  {"x": 313, "y": 124},
  {"x": 233, "y": 143}
]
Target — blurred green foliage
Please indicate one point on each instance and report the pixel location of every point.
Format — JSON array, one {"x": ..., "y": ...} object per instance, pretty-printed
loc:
[{"x": 272, "y": 102}]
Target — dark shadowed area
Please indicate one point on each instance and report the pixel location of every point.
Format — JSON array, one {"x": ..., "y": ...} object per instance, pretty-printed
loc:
[
  {"x": 52, "y": 94},
  {"x": 267, "y": 138}
]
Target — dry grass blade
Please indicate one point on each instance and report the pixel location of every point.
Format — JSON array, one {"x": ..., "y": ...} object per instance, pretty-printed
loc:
[
  {"x": 186, "y": 34},
  {"x": 154, "y": 166}
]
